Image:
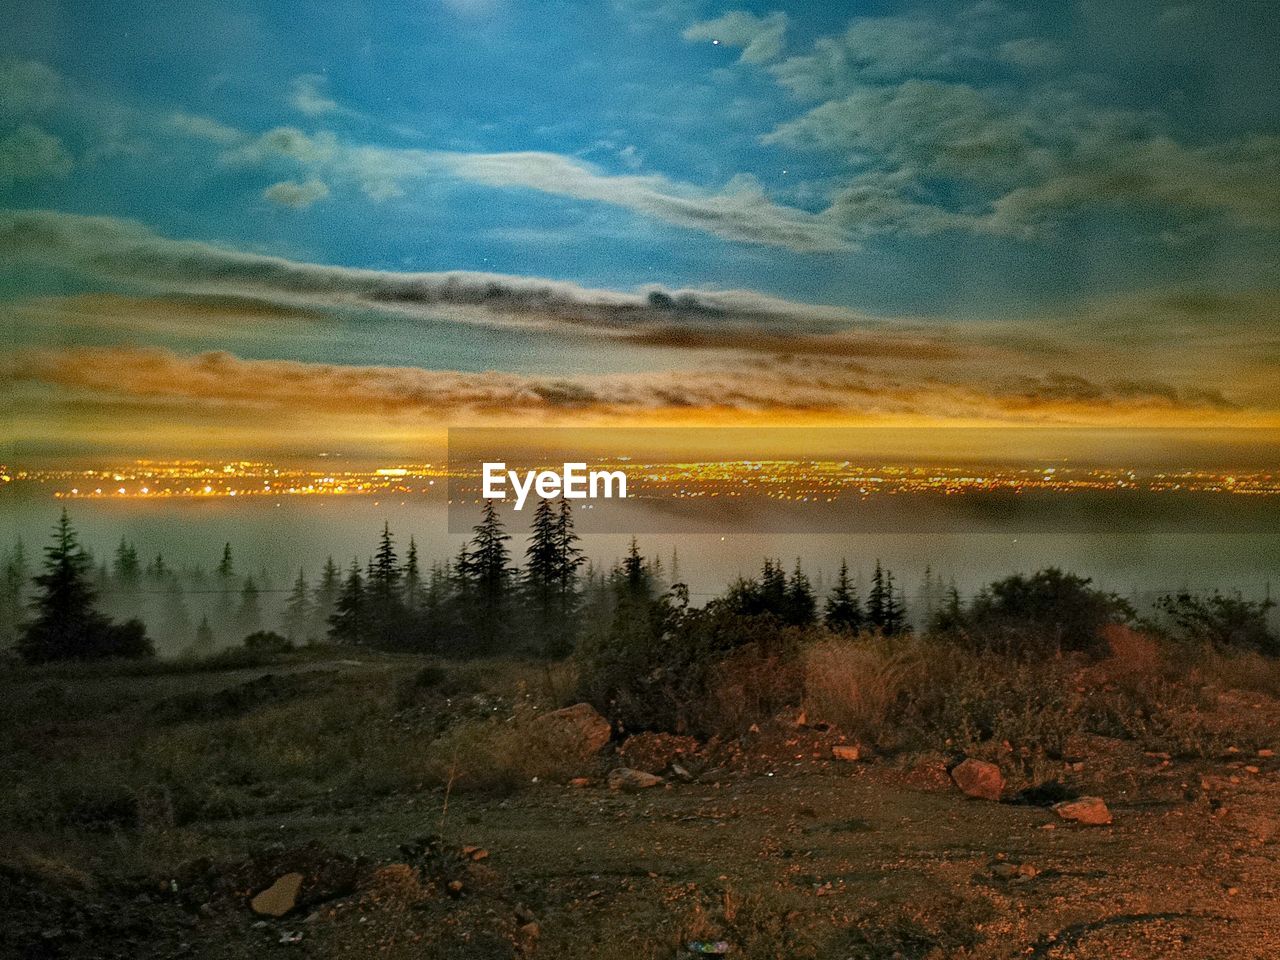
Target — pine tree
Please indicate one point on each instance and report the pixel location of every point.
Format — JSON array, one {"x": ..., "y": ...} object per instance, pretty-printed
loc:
[
  {"x": 878, "y": 599},
  {"x": 249, "y": 613},
  {"x": 126, "y": 571},
  {"x": 414, "y": 590},
  {"x": 326, "y": 597},
  {"x": 175, "y": 620},
  {"x": 384, "y": 575},
  {"x": 203, "y": 645},
  {"x": 298, "y": 610},
  {"x": 800, "y": 607},
  {"x": 226, "y": 569},
  {"x": 67, "y": 623},
  {"x": 13, "y": 590},
  {"x": 347, "y": 623},
  {"x": 843, "y": 611},
  {"x": 485, "y": 565}
]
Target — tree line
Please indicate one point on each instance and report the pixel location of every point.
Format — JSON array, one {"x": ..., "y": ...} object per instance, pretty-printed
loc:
[{"x": 556, "y": 603}]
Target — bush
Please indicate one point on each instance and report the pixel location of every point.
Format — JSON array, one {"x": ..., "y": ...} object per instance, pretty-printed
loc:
[
  {"x": 1048, "y": 612},
  {"x": 1224, "y": 622},
  {"x": 267, "y": 641}
]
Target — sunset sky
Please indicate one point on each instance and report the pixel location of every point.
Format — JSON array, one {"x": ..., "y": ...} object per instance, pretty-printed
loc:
[{"x": 293, "y": 227}]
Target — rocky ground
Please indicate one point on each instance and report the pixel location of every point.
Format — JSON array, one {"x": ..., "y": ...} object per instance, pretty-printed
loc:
[{"x": 787, "y": 842}]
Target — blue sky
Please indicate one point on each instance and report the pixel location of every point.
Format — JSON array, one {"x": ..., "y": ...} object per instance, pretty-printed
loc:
[{"x": 923, "y": 166}]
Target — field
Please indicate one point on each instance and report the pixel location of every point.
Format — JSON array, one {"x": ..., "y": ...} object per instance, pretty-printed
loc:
[{"x": 430, "y": 815}]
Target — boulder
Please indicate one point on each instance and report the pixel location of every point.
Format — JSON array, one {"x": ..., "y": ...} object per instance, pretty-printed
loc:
[
  {"x": 623, "y": 778},
  {"x": 279, "y": 898},
  {"x": 978, "y": 778},
  {"x": 1090, "y": 811},
  {"x": 579, "y": 730}
]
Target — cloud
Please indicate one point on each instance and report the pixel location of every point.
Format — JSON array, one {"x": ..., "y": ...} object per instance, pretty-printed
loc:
[
  {"x": 294, "y": 195},
  {"x": 877, "y": 49},
  {"x": 760, "y": 38},
  {"x": 204, "y": 128},
  {"x": 950, "y": 129},
  {"x": 1031, "y": 53},
  {"x": 29, "y": 153},
  {"x": 237, "y": 391},
  {"x": 27, "y": 87},
  {"x": 739, "y": 211},
  {"x": 124, "y": 251},
  {"x": 307, "y": 95}
]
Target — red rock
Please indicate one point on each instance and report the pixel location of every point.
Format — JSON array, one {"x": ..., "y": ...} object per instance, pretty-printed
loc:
[
  {"x": 978, "y": 778},
  {"x": 621, "y": 778},
  {"x": 852, "y": 752},
  {"x": 1090, "y": 811},
  {"x": 579, "y": 729}
]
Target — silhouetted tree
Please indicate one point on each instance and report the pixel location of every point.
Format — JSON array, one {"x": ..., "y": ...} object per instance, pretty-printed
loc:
[
  {"x": 326, "y": 597},
  {"x": 67, "y": 624},
  {"x": 298, "y": 610},
  {"x": 800, "y": 607},
  {"x": 347, "y": 624},
  {"x": 842, "y": 610},
  {"x": 249, "y": 613},
  {"x": 484, "y": 576}
]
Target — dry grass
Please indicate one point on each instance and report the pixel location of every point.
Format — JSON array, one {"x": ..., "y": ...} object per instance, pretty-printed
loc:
[{"x": 858, "y": 684}]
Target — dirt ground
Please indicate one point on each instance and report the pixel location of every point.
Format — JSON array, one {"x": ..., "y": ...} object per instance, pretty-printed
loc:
[{"x": 771, "y": 848}]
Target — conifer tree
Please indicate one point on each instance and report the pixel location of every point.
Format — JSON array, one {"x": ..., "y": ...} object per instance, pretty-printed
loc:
[
  {"x": 326, "y": 597},
  {"x": 298, "y": 610},
  {"x": 347, "y": 623},
  {"x": 800, "y": 607},
  {"x": 483, "y": 566},
  {"x": 203, "y": 645},
  {"x": 878, "y": 599},
  {"x": 249, "y": 613},
  {"x": 13, "y": 590},
  {"x": 414, "y": 590},
  {"x": 843, "y": 611},
  {"x": 67, "y": 623}
]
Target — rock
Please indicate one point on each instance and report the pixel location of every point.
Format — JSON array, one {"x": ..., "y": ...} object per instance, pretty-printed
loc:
[
  {"x": 852, "y": 752},
  {"x": 622, "y": 778},
  {"x": 1015, "y": 872},
  {"x": 1090, "y": 811},
  {"x": 978, "y": 778},
  {"x": 580, "y": 782},
  {"x": 579, "y": 729},
  {"x": 680, "y": 773},
  {"x": 279, "y": 898}
]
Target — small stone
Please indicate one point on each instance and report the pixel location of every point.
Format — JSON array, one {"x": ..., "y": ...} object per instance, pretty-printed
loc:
[
  {"x": 978, "y": 778},
  {"x": 623, "y": 778},
  {"x": 1252, "y": 769},
  {"x": 279, "y": 898},
  {"x": 1089, "y": 811},
  {"x": 455, "y": 888},
  {"x": 580, "y": 782},
  {"x": 1266, "y": 752},
  {"x": 851, "y": 752}
]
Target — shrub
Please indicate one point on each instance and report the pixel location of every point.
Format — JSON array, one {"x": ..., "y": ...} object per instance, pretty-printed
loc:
[
  {"x": 1048, "y": 612},
  {"x": 267, "y": 641},
  {"x": 1225, "y": 622}
]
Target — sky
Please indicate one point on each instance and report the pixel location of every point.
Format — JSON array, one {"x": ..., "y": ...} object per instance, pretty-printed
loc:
[{"x": 246, "y": 227}]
